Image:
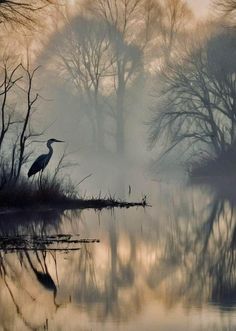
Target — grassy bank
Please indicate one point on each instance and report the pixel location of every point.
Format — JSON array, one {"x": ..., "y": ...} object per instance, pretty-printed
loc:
[{"x": 54, "y": 193}]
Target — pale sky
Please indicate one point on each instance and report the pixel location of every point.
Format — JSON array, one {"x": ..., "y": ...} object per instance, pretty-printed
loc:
[{"x": 200, "y": 7}]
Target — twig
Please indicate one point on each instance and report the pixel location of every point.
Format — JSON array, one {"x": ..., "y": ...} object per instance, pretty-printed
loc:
[{"x": 83, "y": 179}]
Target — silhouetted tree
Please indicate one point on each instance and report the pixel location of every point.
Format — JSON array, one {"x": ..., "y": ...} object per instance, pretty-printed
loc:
[
  {"x": 26, "y": 131},
  {"x": 197, "y": 97},
  {"x": 16, "y": 127},
  {"x": 10, "y": 77}
]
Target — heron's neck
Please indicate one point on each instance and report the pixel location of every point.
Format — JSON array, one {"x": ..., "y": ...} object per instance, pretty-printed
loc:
[{"x": 50, "y": 148}]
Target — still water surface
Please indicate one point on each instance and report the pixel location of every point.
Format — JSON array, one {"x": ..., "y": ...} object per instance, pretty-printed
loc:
[{"x": 169, "y": 267}]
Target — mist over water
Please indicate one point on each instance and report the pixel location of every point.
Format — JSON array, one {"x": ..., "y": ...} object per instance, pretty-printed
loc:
[{"x": 163, "y": 268}]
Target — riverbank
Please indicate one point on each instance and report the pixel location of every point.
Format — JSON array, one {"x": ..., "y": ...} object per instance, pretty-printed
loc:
[
  {"x": 55, "y": 194},
  {"x": 72, "y": 204}
]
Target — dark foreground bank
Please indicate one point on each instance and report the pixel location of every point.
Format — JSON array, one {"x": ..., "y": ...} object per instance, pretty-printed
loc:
[{"x": 54, "y": 194}]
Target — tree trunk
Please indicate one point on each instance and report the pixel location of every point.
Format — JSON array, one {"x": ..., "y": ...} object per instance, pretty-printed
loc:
[
  {"x": 120, "y": 130},
  {"x": 100, "y": 122}
]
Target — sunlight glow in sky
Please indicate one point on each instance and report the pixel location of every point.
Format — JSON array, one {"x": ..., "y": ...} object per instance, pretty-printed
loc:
[{"x": 200, "y": 7}]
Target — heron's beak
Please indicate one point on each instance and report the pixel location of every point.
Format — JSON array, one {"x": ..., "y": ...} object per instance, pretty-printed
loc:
[{"x": 59, "y": 141}]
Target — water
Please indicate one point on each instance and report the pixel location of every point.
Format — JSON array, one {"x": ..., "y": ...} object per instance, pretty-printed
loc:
[{"x": 169, "y": 267}]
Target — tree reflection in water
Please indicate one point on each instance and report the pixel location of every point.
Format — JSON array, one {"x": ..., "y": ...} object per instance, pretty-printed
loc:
[
  {"x": 185, "y": 257},
  {"x": 197, "y": 262}
]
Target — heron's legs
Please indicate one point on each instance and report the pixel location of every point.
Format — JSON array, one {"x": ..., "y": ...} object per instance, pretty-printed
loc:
[
  {"x": 40, "y": 179},
  {"x": 33, "y": 180}
]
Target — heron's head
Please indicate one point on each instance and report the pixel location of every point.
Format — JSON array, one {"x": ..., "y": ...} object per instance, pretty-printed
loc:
[{"x": 51, "y": 141}]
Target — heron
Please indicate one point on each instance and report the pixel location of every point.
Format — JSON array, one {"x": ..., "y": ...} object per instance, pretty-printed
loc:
[{"x": 42, "y": 161}]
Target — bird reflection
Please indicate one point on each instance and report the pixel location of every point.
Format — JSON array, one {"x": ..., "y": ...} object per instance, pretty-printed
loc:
[{"x": 43, "y": 277}]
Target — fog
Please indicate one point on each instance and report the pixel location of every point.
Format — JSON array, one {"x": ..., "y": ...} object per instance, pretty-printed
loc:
[
  {"x": 103, "y": 76},
  {"x": 98, "y": 77}
]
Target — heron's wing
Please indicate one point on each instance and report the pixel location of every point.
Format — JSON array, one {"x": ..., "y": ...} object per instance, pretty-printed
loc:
[{"x": 39, "y": 164}]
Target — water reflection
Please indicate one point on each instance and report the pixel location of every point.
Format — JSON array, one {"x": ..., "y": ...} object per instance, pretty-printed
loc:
[
  {"x": 169, "y": 267},
  {"x": 203, "y": 256}
]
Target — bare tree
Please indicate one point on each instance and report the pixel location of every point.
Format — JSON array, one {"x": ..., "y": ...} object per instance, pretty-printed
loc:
[
  {"x": 10, "y": 77},
  {"x": 122, "y": 18},
  {"x": 122, "y": 15},
  {"x": 156, "y": 21},
  {"x": 176, "y": 15},
  {"x": 167, "y": 23},
  {"x": 26, "y": 132},
  {"x": 197, "y": 99},
  {"x": 128, "y": 65},
  {"x": 21, "y": 12},
  {"x": 16, "y": 127},
  {"x": 85, "y": 57},
  {"x": 99, "y": 63}
]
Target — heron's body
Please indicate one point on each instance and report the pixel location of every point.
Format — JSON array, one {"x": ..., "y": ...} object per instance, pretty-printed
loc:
[{"x": 42, "y": 161}]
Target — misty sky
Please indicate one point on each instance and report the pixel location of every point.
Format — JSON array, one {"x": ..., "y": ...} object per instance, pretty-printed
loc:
[{"x": 200, "y": 7}]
